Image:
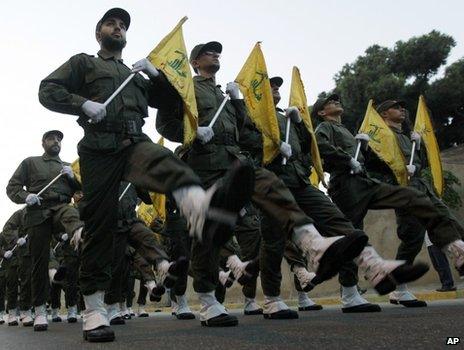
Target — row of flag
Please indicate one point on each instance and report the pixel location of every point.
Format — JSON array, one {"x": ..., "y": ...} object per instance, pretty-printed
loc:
[{"x": 170, "y": 56}]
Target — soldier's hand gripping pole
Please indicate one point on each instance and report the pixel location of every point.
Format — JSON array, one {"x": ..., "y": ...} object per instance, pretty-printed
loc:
[
  {"x": 12, "y": 251},
  {"x": 38, "y": 194},
  {"x": 359, "y": 138},
  {"x": 287, "y": 137},
  {"x": 221, "y": 107}
]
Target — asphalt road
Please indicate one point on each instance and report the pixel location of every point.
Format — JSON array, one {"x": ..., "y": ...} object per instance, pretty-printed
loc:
[{"x": 394, "y": 328}]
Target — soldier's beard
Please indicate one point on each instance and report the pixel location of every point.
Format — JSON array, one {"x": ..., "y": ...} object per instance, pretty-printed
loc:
[
  {"x": 213, "y": 68},
  {"x": 112, "y": 44},
  {"x": 53, "y": 151}
]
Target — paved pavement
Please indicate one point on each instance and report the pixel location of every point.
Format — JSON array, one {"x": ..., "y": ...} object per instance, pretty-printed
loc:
[{"x": 394, "y": 328}]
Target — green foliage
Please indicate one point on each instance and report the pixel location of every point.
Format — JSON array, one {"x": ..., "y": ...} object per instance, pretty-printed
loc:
[
  {"x": 450, "y": 197},
  {"x": 404, "y": 72},
  {"x": 420, "y": 57}
]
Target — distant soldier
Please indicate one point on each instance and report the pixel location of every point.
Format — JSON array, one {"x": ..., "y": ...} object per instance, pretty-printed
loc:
[
  {"x": 45, "y": 214},
  {"x": 410, "y": 230}
]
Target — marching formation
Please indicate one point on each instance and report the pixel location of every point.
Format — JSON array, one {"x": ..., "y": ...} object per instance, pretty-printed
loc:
[{"x": 236, "y": 197}]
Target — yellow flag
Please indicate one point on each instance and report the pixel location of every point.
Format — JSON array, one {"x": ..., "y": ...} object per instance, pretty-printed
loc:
[
  {"x": 424, "y": 127},
  {"x": 256, "y": 89},
  {"x": 146, "y": 213},
  {"x": 76, "y": 168},
  {"x": 298, "y": 99},
  {"x": 384, "y": 143},
  {"x": 170, "y": 56}
]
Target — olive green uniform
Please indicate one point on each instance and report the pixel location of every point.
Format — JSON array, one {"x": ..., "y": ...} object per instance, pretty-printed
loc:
[
  {"x": 211, "y": 162},
  {"x": 53, "y": 216},
  {"x": 178, "y": 243},
  {"x": 134, "y": 232},
  {"x": 14, "y": 228},
  {"x": 328, "y": 219},
  {"x": 2, "y": 288},
  {"x": 410, "y": 230},
  {"x": 112, "y": 150},
  {"x": 355, "y": 194},
  {"x": 7, "y": 242}
]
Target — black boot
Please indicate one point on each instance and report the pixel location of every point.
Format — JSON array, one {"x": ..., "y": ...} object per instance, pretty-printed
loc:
[{"x": 99, "y": 335}]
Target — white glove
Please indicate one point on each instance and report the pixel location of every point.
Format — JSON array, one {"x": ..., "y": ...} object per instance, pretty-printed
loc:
[
  {"x": 94, "y": 110},
  {"x": 355, "y": 166},
  {"x": 362, "y": 137},
  {"x": 285, "y": 149},
  {"x": 64, "y": 237},
  {"x": 233, "y": 90},
  {"x": 205, "y": 134},
  {"x": 76, "y": 238},
  {"x": 411, "y": 169},
  {"x": 145, "y": 66},
  {"x": 294, "y": 114},
  {"x": 67, "y": 170},
  {"x": 32, "y": 199},
  {"x": 8, "y": 254},
  {"x": 415, "y": 136},
  {"x": 21, "y": 241}
]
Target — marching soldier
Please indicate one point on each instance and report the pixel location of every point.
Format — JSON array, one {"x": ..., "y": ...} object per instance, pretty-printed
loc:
[
  {"x": 45, "y": 214},
  {"x": 355, "y": 192},
  {"x": 328, "y": 218},
  {"x": 215, "y": 150},
  {"x": 114, "y": 148},
  {"x": 15, "y": 230},
  {"x": 410, "y": 230}
]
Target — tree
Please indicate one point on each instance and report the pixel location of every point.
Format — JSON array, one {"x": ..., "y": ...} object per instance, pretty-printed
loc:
[
  {"x": 445, "y": 97},
  {"x": 404, "y": 72}
]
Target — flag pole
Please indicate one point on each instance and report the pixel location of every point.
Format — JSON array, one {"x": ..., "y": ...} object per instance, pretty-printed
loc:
[
  {"x": 124, "y": 192},
  {"x": 287, "y": 137},
  {"x": 356, "y": 155},
  {"x": 413, "y": 150},
  {"x": 219, "y": 110}
]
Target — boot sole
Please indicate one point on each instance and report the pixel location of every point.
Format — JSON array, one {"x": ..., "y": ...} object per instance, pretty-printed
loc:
[
  {"x": 343, "y": 250},
  {"x": 253, "y": 313},
  {"x": 224, "y": 323},
  {"x": 40, "y": 328},
  {"x": 108, "y": 338},
  {"x": 402, "y": 274},
  {"x": 185, "y": 316},
  {"x": 361, "y": 308}
]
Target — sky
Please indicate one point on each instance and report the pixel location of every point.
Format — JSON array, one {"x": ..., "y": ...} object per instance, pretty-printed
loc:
[{"x": 317, "y": 36}]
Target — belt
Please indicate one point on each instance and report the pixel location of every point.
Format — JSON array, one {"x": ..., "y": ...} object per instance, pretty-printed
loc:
[{"x": 131, "y": 127}]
